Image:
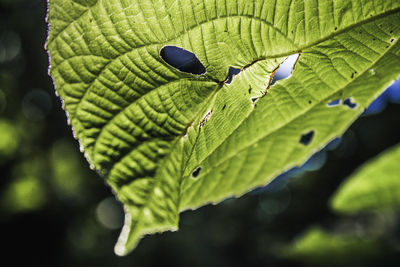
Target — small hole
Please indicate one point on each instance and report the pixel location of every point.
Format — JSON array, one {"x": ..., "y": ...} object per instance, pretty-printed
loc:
[
  {"x": 306, "y": 138},
  {"x": 205, "y": 118},
  {"x": 182, "y": 60},
  {"x": 391, "y": 31},
  {"x": 349, "y": 103},
  {"x": 335, "y": 28},
  {"x": 250, "y": 90},
  {"x": 254, "y": 100},
  {"x": 196, "y": 172},
  {"x": 223, "y": 108},
  {"x": 391, "y": 40},
  {"x": 284, "y": 70},
  {"x": 309, "y": 102},
  {"x": 334, "y": 103},
  {"x": 232, "y": 72}
]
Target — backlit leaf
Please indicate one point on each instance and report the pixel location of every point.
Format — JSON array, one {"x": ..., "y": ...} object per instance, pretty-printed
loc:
[
  {"x": 168, "y": 137},
  {"x": 376, "y": 185}
]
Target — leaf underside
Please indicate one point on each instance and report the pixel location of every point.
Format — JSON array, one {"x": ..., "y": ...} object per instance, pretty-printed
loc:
[
  {"x": 376, "y": 185},
  {"x": 167, "y": 140}
]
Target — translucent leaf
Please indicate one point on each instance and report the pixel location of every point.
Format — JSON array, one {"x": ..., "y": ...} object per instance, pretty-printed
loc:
[
  {"x": 376, "y": 185},
  {"x": 170, "y": 137}
]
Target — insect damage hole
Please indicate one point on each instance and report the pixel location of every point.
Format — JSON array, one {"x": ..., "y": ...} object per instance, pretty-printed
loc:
[
  {"x": 334, "y": 103},
  {"x": 348, "y": 102},
  {"x": 196, "y": 172},
  {"x": 182, "y": 60},
  {"x": 231, "y": 73},
  {"x": 205, "y": 119},
  {"x": 306, "y": 138},
  {"x": 254, "y": 100},
  {"x": 285, "y": 69}
]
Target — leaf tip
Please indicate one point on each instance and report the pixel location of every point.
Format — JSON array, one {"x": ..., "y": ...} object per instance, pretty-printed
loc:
[
  {"x": 122, "y": 248},
  {"x": 132, "y": 232}
]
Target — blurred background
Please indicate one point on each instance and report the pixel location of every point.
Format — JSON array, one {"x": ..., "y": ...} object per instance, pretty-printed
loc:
[{"x": 55, "y": 211}]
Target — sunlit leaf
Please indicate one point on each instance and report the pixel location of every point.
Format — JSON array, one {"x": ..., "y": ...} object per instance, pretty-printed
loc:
[
  {"x": 169, "y": 137},
  {"x": 376, "y": 185}
]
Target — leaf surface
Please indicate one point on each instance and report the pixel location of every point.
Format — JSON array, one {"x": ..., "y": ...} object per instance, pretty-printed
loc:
[
  {"x": 168, "y": 140},
  {"x": 376, "y": 185}
]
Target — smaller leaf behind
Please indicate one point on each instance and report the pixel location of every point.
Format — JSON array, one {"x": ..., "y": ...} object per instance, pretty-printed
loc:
[
  {"x": 376, "y": 185},
  {"x": 317, "y": 247}
]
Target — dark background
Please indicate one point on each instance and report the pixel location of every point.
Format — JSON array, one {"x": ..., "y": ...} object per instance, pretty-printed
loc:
[{"x": 55, "y": 211}]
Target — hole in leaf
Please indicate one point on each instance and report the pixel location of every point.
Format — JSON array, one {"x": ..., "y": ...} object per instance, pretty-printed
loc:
[
  {"x": 285, "y": 69},
  {"x": 306, "y": 138},
  {"x": 254, "y": 100},
  {"x": 196, "y": 172},
  {"x": 349, "y": 103},
  {"x": 182, "y": 60},
  {"x": 223, "y": 108},
  {"x": 232, "y": 72},
  {"x": 334, "y": 103},
  {"x": 205, "y": 118}
]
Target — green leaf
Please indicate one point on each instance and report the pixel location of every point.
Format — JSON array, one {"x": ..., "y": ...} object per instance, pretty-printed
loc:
[
  {"x": 167, "y": 140},
  {"x": 316, "y": 247},
  {"x": 376, "y": 185}
]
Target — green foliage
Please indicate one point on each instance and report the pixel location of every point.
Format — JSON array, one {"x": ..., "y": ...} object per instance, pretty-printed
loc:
[
  {"x": 315, "y": 246},
  {"x": 374, "y": 186},
  {"x": 147, "y": 127},
  {"x": 9, "y": 140},
  {"x": 26, "y": 192}
]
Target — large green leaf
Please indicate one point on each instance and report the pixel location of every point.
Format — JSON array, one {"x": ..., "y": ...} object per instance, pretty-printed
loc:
[
  {"x": 376, "y": 185},
  {"x": 166, "y": 140}
]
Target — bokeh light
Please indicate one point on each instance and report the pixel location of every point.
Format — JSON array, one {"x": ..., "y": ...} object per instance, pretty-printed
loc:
[
  {"x": 9, "y": 140},
  {"x": 10, "y": 46},
  {"x": 110, "y": 213},
  {"x": 25, "y": 193},
  {"x": 36, "y": 105},
  {"x": 68, "y": 178}
]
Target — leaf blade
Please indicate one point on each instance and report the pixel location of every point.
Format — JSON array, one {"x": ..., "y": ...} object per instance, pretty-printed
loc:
[
  {"x": 135, "y": 115},
  {"x": 374, "y": 186}
]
